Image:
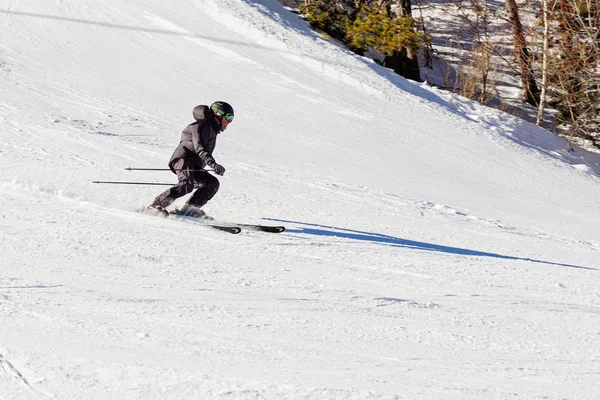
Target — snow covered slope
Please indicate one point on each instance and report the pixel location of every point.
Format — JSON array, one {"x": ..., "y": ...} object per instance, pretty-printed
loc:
[{"x": 435, "y": 248}]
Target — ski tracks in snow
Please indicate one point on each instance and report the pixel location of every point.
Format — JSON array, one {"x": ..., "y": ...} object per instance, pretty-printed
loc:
[{"x": 13, "y": 372}]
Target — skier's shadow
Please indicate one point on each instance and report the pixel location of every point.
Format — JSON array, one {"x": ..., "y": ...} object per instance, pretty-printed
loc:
[{"x": 322, "y": 230}]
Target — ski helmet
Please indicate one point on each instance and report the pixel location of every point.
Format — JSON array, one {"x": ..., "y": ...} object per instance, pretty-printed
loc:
[{"x": 222, "y": 109}]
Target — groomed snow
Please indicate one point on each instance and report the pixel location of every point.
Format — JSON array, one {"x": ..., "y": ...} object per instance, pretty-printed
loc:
[{"x": 435, "y": 248}]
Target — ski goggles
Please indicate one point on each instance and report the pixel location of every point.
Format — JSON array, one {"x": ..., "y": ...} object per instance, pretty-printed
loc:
[{"x": 228, "y": 117}]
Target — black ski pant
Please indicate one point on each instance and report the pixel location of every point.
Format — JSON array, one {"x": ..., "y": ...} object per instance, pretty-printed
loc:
[{"x": 189, "y": 178}]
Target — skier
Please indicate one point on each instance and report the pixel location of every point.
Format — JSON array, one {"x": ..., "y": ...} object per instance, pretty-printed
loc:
[{"x": 194, "y": 152}]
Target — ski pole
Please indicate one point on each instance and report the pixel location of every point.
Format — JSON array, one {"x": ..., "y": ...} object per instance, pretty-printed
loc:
[
  {"x": 135, "y": 183},
  {"x": 168, "y": 169},
  {"x": 146, "y": 169}
]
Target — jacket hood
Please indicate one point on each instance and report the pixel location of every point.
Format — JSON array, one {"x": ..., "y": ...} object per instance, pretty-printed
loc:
[{"x": 201, "y": 113}]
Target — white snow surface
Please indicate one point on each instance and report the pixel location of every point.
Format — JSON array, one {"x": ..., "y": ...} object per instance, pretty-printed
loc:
[{"x": 435, "y": 248}]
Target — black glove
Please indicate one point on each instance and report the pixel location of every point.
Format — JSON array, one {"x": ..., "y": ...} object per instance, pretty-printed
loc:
[{"x": 219, "y": 169}]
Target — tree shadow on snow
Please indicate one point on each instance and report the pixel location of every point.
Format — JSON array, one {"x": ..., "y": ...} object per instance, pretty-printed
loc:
[{"x": 330, "y": 231}]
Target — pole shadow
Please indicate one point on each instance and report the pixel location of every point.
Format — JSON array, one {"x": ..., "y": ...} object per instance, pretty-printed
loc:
[{"x": 377, "y": 238}]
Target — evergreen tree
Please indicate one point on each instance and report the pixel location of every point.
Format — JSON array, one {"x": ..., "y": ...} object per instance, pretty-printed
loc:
[{"x": 394, "y": 37}]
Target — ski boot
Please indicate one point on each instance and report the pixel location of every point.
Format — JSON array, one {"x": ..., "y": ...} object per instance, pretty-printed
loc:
[
  {"x": 194, "y": 212},
  {"x": 155, "y": 209}
]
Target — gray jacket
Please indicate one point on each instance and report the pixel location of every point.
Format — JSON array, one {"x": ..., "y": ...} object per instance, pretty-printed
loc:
[{"x": 198, "y": 140}]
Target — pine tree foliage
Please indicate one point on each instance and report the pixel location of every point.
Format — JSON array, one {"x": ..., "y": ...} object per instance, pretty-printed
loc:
[
  {"x": 370, "y": 25},
  {"x": 326, "y": 15},
  {"x": 379, "y": 31}
]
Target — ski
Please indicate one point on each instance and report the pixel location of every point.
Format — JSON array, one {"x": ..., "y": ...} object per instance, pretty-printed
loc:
[
  {"x": 262, "y": 228},
  {"x": 255, "y": 227},
  {"x": 229, "y": 228}
]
